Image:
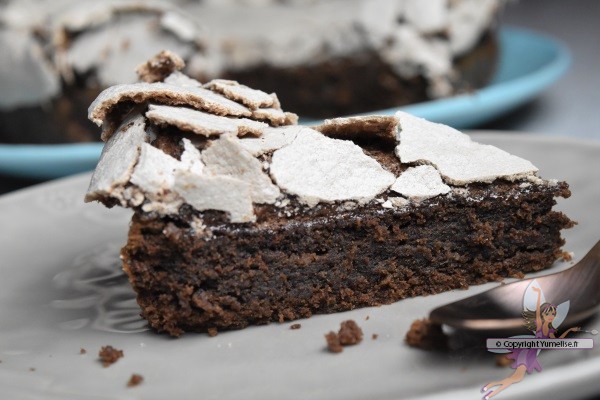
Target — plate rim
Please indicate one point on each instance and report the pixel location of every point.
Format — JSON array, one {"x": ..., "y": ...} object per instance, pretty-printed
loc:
[
  {"x": 589, "y": 370},
  {"x": 56, "y": 160}
]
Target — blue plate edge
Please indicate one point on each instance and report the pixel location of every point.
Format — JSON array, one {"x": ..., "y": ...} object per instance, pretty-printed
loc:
[{"x": 32, "y": 160}]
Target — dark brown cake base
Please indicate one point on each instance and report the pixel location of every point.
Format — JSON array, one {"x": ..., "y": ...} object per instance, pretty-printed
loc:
[
  {"x": 63, "y": 120},
  {"x": 361, "y": 83},
  {"x": 326, "y": 260},
  {"x": 341, "y": 86}
]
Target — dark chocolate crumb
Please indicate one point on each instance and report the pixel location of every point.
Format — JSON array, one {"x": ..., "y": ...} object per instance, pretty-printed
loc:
[
  {"x": 135, "y": 380},
  {"x": 32, "y": 369},
  {"x": 374, "y": 336},
  {"x": 350, "y": 333},
  {"x": 333, "y": 342},
  {"x": 367, "y": 318},
  {"x": 212, "y": 332},
  {"x": 159, "y": 67},
  {"x": 82, "y": 351},
  {"x": 502, "y": 360},
  {"x": 427, "y": 335},
  {"x": 109, "y": 355},
  {"x": 566, "y": 256},
  {"x": 295, "y": 326}
]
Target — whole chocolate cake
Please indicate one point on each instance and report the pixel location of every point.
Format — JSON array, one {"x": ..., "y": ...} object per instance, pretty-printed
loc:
[
  {"x": 243, "y": 218},
  {"x": 323, "y": 58}
]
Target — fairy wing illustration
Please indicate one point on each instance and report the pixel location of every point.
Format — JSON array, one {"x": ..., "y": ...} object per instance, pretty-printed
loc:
[
  {"x": 529, "y": 303},
  {"x": 530, "y": 297},
  {"x": 561, "y": 313}
]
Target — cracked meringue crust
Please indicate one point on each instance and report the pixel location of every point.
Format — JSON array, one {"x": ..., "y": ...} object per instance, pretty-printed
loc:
[{"x": 231, "y": 230}]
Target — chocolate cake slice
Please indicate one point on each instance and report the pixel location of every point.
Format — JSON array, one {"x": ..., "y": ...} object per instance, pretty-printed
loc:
[{"x": 243, "y": 218}]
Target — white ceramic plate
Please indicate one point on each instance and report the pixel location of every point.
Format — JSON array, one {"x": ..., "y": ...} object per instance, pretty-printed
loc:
[{"x": 61, "y": 289}]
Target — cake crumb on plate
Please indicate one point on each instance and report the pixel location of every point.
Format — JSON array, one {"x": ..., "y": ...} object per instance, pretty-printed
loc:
[
  {"x": 135, "y": 380},
  {"x": 502, "y": 360},
  {"x": 427, "y": 335},
  {"x": 109, "y": 355},
  {"x": 348, "y": 335},
  {"x": 333, "y": 342}
]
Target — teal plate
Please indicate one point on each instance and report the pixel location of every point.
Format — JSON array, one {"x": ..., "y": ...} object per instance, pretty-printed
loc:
[{"x": 529, "y": 62}]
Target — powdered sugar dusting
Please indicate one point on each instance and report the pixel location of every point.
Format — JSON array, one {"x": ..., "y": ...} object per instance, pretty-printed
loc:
[
  {"x": 163, "y": 93},
  {"x": 190, "y": 158},
  {"x": 222, "y": 193},
  {"x": 271, "y": 139},
  {"x": 458, "y": 159},
  {"x": 274, "y": 116},
  {"x": 227, "y": 157},
  {"x": 203, "y": 123},
  {"x": 320, "y": 169},
  {"x": 155, "y": 175},
  {"x": 420, "y": 183},
  {"x": 179, "y": 79},
  {"x": 154, "y": 170},
  {"x": 231, "y": 174},
  {"x": 117, "y": 161},
  {"x": 398, "y": 202},
  {"x": 251, "y": 98}
]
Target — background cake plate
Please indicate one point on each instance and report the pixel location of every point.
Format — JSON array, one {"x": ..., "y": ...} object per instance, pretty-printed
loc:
[
  {"x": 529, "y": 62},
  {"x": 61, "y": 289}
]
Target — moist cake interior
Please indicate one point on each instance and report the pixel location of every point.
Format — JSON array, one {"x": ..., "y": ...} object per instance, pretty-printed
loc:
[
  {"x": 243, "y": 217},
  {"x": 328, "y": 260}
]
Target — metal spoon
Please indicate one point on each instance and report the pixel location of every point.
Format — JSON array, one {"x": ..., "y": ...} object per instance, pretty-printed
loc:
[{"x": 500, "y": 308}]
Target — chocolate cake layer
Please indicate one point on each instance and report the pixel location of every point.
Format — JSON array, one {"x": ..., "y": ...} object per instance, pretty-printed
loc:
[
  {"x": 361, "y": 83},
  {"x": 325, "y": 58},
  {"x": 327, "y": 260},
  {"x": 336, "y": 87},
  {"x": 242, "y": 217},
  {"x": 62, "y": 120}
]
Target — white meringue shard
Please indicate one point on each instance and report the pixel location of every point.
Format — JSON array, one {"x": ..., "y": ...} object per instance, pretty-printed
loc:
[
  {"x": 119, "y": 157},
  {"x": 420, "y": 183},
  {"x": 459, "y": 160},
  {"x": 226, "y": 156},
  {"x": 320, "y": 169}
]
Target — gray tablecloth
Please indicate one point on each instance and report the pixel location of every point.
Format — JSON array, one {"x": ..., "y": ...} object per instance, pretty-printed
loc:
[{"x": 571, "y": 107}]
